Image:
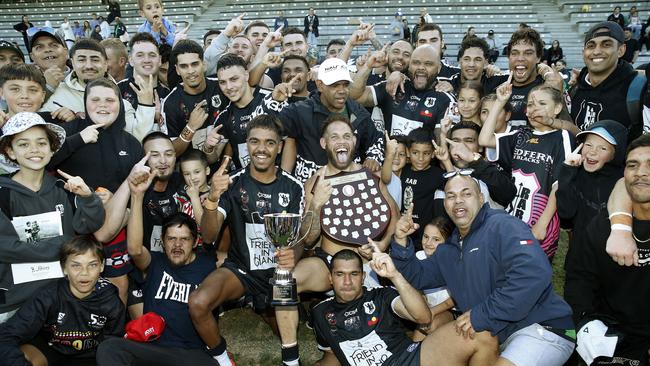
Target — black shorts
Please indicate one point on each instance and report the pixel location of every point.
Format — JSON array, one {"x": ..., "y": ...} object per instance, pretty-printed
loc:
[
  {"x": 630, "y": 351},
  {"x": 56, "y": 358},
  {"x": 324, "y": 256},
  {"x": 410, "y": 356},
  {"x": 257, "y": 286},
  {"x": 117, "y": 261}
]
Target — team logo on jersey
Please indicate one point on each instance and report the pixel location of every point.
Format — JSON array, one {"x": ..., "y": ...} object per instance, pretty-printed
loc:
[
  {"x": 590, "y": 113},
  {"x": 411, "y": 105},
  {"x": 60, "y": 317},
  {"x": 331, "y": 319},
  {"x": 352, "y": 323},
  {"x": 97, "y": 321},
  {"x": 283, "y": 199},
  {"x": 429, "y": 102},
  {"x": 216, "y": 101},
  {"x": 59, "y": 208},
  {"x": 369, "y": 307}
]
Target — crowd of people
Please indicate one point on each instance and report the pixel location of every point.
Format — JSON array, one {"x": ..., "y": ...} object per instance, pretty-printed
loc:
[{"x": 137, "y": 179}]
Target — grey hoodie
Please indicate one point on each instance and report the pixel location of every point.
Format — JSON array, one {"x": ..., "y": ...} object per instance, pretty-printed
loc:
[{"x": 78, "y": 216}]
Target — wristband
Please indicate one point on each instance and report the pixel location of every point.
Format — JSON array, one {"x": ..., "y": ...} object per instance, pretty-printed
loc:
[
  {"x": 186, "y": 134},
  {"x": 619, "y": 213},
  {"x": 210, "y": 205},
  {"x": 189, "y": 129},
  {"x": 183, "y": 139},
  {"x": 621, "y": 227}
]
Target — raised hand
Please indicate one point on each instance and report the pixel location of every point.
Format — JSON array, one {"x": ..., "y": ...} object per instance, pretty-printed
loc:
[
  {"x": 322, "y": 190},
  {"x": 273, "y": 39},
  {"x": 574, "y": 158},
  {"x": 383, "y": 265},
  {"x": 459, "y": 151},
  {"x": 235, "y": 26},
  {"x": 198, "y": 115},
  {"x": 284, "y": 91},
  {"x": 181, "y": 34},
  {"x": 144, "y": 90},
  {"x": 377, "y": 59},
  {"x": 440, "y": 151},
  {"x": 394, "y": 81},
  {"x": 445, "y": 123},
  {"x": 405, "y": 226},
  {"x": 391, "y": 144},
  {"x": 90, "y": 133},
  {"x": 140, "y": 176},
  {"x": 551, "y": 76},
  {"x": 504, "y": 91},
  {"x": 220, "y": 181},
  {"x": 213, "y": 139},
  {"x": 75, "y": 185},
  {"x": 273, "y": 59}
]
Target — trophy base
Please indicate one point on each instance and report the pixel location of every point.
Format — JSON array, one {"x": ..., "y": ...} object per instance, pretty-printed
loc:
[{"x": 285, "y": 294}]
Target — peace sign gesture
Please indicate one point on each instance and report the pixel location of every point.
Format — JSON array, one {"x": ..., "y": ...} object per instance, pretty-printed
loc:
[
  {"x": 574, "y": 158},
  {"x": 284, "y": 91},
  {"x": 144, "y": 90},
  {"x": 235, "y": 26},
  {"x": 181, "y": 34},
  {"x": 440, "y": 151},
  {"x": 75, "y": 185}
]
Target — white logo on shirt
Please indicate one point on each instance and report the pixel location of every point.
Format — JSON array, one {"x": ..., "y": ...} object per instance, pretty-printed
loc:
[
  {"x": 370, "y": 350},
  {"x": 261, "y": 253}
]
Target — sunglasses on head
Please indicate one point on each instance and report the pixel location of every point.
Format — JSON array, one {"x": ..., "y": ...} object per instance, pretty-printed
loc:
[{"x": 464, "y": 172}]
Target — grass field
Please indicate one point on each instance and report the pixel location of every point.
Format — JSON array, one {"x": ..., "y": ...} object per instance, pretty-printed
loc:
[{"x": 253, "y": 343}]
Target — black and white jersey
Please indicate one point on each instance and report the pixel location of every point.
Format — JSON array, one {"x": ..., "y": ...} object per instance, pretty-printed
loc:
[
  {"x": 412, "y": 108},
  {"x": 419, "y": 190},
  {"x": 235, "y": 120},
  {"x": 518, "y": 101},
  {"x": 178, "y": 105},
  {"x": 158, "y": 206},
  {"x": 244, "y": 204},
  {"x": 130, "y": 96},
  {"x": 365, "y": 331},
  {"x": 447, "y": 71}
]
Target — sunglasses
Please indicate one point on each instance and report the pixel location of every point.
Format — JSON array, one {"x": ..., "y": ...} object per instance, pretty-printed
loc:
[{"x": 464, "y": 172}]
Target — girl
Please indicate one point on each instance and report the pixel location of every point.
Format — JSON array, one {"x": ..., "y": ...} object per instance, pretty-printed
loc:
[
  {"x": 469, "y": 101},
  {"x": 66, "y": 321},
  {"x": 533, "y": 155},
  {"x": 553, "y": 54},
  {"x": 38, "y": 216},
  {"x": 435, "y": 233}
]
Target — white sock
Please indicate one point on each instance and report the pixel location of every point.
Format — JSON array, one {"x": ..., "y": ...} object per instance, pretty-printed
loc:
[
  {"x": 292, "y": 363},
  {"x": 223, "y": 359}
]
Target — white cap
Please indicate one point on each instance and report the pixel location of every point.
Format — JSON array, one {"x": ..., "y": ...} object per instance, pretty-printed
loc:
[{"x": 333, "y": 70}]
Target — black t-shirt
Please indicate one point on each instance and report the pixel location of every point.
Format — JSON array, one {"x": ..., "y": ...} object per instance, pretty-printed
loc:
[
  {"x": 166, "y": 292},
  {"x": 518, "y": 101},
  {"x": 631, "y": 46},
  {"x": 242, "y": 202},
  {"x": 365, "y": 331},
  {"x": 419, "y": 190},
  {"x": 235, "y": 120},
  {"x": 411, "y": 109},
  {"x": 447, "y": 71},
  {"x": 178, "y": 105},
  {"x": 130, "y": 96},
  {"x": 156, "y": 207}
]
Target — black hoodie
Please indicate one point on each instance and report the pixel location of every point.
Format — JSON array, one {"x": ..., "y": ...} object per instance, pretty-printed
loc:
[
  {"x": 105, "y": 163},
  {"x": 591, "y": 104},
  {"x": 581, "y": 195}
]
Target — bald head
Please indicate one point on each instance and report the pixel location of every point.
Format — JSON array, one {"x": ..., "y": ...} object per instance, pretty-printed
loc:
[
  {"x": 463, "y": 201},
  {"x": 424, "y": 67}
]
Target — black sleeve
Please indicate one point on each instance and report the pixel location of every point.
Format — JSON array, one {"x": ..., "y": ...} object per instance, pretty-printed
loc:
[
  {"x": 173, "y": 116},
  {"x": 567, "y": 198},
  {"x": 372, "y": 141},
  {"x": 499, "y": 183},
  {"x": 73, "y": 142},
  {"x": 116, "y": 320},
  {"x": 505, "y": 146},
  {"x": 24, "y": 326}
]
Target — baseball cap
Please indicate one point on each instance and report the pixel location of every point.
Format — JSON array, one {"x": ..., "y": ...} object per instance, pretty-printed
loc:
[
  {"x": 333, "y": 70},
  {"x": 490, "y": 32},
  {"x": 146, "y": 328},
  {"x": 607, "y": 29},
  {"x": 23, "y": 121},
  {"x": 5, "y": 45},
  {"x": 600, "y": 132},
  {"x": 34, "y": 32},
  {"x": 398, "y": 14}
]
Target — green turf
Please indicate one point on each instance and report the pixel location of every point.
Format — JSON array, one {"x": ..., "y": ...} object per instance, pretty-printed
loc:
[{"x": 253, "y": 343}]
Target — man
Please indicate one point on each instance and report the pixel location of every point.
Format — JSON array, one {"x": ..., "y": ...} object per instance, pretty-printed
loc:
[
  {"x": 473, "y": 62},
  {"x": 256, "y": 32},
  {"x": 145, "y": 60},
  {"x": 208, "y": 37},
  {"x": 360, "y": 325},
  {"x": 89, "y": 62},
  {"x": 260, "y": 188},
  {"x": 10, "y": 54},
  {"x": 50, "y": 53},
  {"x": 280, "y": 21},
  {"x": 617, "y": 17},
  {"x": 116, "y": 57},
  {"x": 397, "y": 27},
  {"x": 243, "y": 47},
  {"x": 292, "y": 42},
  {"x": 608, "y": 299},
  {"x": 311, "y": 27},
  {"x": 503, "y": 288},
  {"x": 431, "y": 34},
  {"x": 295, "y": 70},
  {"x": 418, "y": 105},
  {"x": 245, "y": 104},
  {"x": 303, "y": 122},
  {"x": 338, "y": 141},
  {"x": 631, "y": 47},
  {"x": 607, "y": 88},
  {"x": 493, "y": 45},
  {"x": 334, "y": 48},
  {"x": 191, "y": 107}
]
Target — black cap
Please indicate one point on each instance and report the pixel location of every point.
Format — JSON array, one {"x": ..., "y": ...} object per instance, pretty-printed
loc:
[
  {"x": 5, "y": 45},
  {"x": 490, "y": 32},
  {"x": 606, "y": 29}
]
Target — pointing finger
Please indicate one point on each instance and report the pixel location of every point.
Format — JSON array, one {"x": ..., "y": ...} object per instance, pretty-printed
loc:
[
  {"x": 64, "y": 174},
  {"x": 224, "y": 165},
  {"x": 374, "y": 246},
  {"x": 435, "y": 146},
  {"x": 510, "y": 77},
  {"x": 450, "y": 142},
  {"x": 144, "y": 159},
  {"x": 295, "y": 78},
  {"x": 577, "y": 150},
  {"x": 240, "y": 17}
]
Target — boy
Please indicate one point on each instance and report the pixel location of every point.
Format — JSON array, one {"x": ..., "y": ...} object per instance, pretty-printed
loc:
[
  {"x": 420, "y": 181},
  {"x": 393, "y": 164},
  {"x": 160, "y": 28},
  {"x": 195, "y": 170}
]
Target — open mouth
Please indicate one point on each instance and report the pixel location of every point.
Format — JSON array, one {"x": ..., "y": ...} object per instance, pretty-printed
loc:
[
  {"x": 460, "y": 212},
  {"x": 342, "y": 155},
  {"x": 597, "y": 60},
  {"x": 420, "y": 77},
  {"x": 261, "y": 157},
  {"x": 520, "y": 72}
]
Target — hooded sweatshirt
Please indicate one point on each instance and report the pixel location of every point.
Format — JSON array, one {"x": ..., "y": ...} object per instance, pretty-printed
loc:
[
  {"x": 581, "y": 195},
  {"x": 105, "y": 163},
  {"x": 38, "y": 248},
  {"x": 590, "y": 104}
]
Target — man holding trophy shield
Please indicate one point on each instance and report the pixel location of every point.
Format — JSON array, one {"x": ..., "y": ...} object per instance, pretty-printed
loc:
[
  {"x": 244, "y": 198},
  {"x": 350, "y": 206}
]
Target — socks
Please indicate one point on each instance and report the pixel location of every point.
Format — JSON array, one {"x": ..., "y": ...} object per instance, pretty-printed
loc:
[
  {"x": 290, "y": 354},
  {"x": 220, "y": 354}
]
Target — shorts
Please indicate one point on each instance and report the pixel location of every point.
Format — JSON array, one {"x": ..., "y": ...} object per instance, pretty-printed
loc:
[
  {"x": 117, "y": 261},
  {"x": 410, "y": 356},
  {"x": 134, "y": 295},
  {"x": 324, "y": 256},
  {"x": 536, "y": 345},
  {"x": 258, "y": 289},
  {"x": 56, "y": 358}
]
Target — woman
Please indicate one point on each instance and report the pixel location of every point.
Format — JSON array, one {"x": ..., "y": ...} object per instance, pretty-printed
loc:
[
  {"x": 97, "y": 34},
  {"x": 66, "y": 321},
  {"x": 553, "y": 54},
  {"x": 38, "y": 215},
  {"x": 86, "y": 29}
]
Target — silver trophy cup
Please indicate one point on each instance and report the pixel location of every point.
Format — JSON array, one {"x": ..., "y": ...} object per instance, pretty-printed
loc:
[{"x": 283, "y": 230}]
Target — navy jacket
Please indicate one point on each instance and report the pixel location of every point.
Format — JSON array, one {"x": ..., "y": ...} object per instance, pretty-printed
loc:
[{"x": 500, "y": 273}]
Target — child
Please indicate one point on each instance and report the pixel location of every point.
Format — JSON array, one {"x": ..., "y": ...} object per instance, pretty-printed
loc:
[
  {"x": 195, "y": 170},
  {"x": 469, "y": 101},
  {"x": 588, "y": 177},
  {"x": 30, "y": 195},
  {"x": 68, "y": 319},
  {"x": 434, "y": 234},
  {"x": 533, "y": 155},
  {"x": 420, "y": 180},
  {"x": 160, "y": 28},
  {"x": 393, "y": 164}
]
